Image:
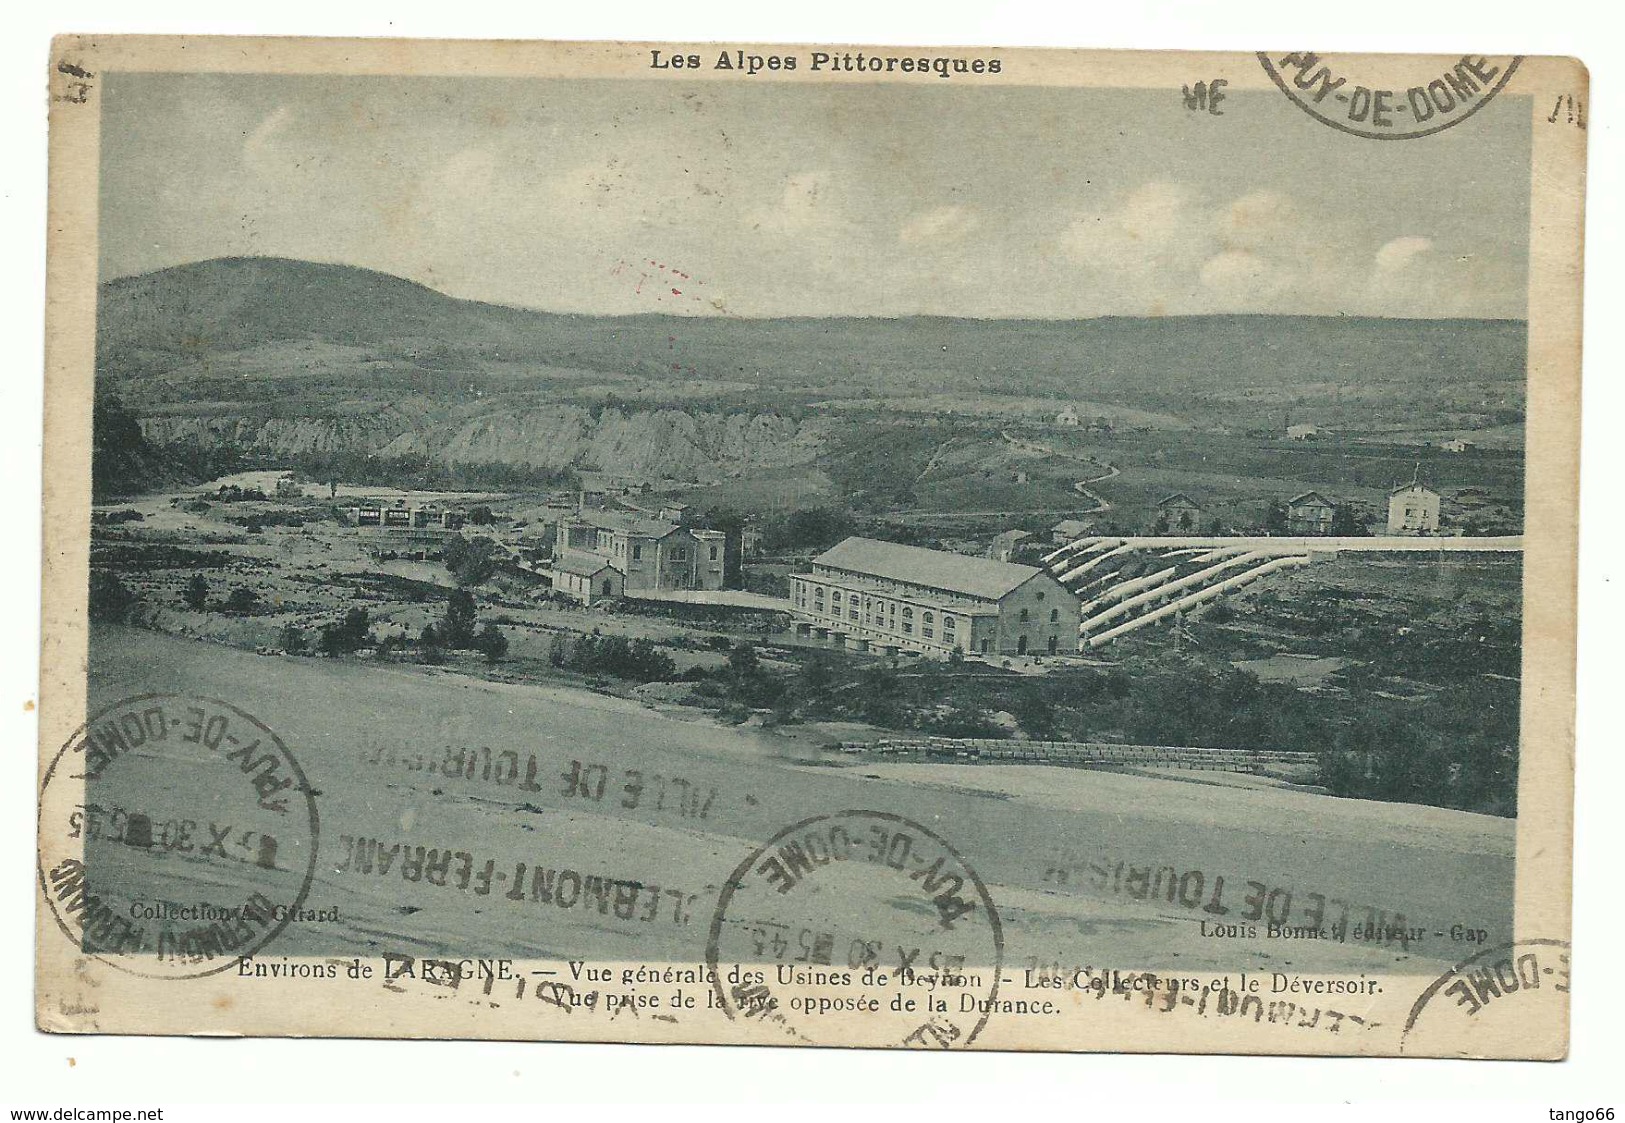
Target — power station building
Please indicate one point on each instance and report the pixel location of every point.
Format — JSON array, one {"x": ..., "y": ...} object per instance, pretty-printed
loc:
[{"x": 882, "y": 595}]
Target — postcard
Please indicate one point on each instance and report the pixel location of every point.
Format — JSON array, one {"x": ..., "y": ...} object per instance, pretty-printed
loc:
[{"x": 939, "y": 548}]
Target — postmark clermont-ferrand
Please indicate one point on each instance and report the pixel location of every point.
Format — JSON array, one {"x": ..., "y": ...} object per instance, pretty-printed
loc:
[
  {"x": 858, "y": 928},
  {"x": 176, "y": 834},
  {"x": 1403, "y": 98}
]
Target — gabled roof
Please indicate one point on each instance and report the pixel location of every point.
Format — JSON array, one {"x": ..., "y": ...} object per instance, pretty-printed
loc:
[
  {"x": 1170, "y": 500},
  {"x": 1414, "y": 485},
  {"x": 1307, "y": 496},
  {"x": 934, "y": 569},
  {"x": 582, "y": 565}
]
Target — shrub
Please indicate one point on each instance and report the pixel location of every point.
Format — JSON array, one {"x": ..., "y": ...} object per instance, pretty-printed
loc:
[
  {"x": 456, "y": 629},
  {"x": 243, "y": 601},
  {"x": 196, "y": 594},
  {"x": 293, "y": 640},
  {"x": 110, "y": 598},
  {"x": 491, "y": 643}
]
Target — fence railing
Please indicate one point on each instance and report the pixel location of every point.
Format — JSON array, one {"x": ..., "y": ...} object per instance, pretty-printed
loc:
[{"x": 1083, "y": 753}]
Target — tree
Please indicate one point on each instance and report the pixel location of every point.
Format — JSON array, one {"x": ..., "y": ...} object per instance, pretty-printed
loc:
[
  {"x": 121, "y": 460},
  {"x": 480, "y": 516},
  {"x": 1275, "y": 519},
  {"x": 457, "y": 626},
  {"x": 345, "y": 636},
  {"x": 332, "y": 640},
  {"x": 878, "y": 700},
  {"x": 815, "y": 527},
  {"x": 110, "y": 598},
  {"x": 817, "y": 675},
  {"x": 491, "y": 643},
  {"x": 293, "y": 640},
  {"x": 355, "y": 626},
  {"x": 742, "y": 660},
  {"x": 471, "y": 562},
  {"x": 242, "y": 600},
  {"x": 1346, "y": 521},
  {"x": 1034, "y": 712},
  {"x": 196, "y": 594}
]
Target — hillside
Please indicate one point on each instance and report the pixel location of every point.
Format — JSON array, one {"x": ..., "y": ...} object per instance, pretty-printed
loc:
[{"x": 276, "y": 356}]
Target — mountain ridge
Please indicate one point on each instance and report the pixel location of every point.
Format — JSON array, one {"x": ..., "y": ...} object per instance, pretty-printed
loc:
[
  {"x": 238, "y": 260},
  {"x": 279, "y": 357}
]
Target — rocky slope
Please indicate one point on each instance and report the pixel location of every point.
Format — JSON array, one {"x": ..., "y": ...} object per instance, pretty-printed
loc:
[
  {"x": 277, "y": 358},
  {"x": 678, "y": 444}
]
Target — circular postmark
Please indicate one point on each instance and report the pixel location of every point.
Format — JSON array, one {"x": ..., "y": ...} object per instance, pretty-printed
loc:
[
  {"x": 858, "y": 928},
  {"x": 176, "y": 834},
  {"x": 1392, "y": 97},
  {"x": 1497, "y": 1002}
]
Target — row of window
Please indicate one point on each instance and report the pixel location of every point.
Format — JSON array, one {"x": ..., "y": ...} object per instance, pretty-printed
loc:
[
  {"x": 678, "y": 553},
  {"x": 885, "y": 614},
  {"x": 846, "y": 606}
]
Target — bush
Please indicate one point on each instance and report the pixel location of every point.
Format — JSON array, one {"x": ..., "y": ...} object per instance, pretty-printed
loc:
[
  {"x": 456, "y": 629},
  {"x": 196, "y": 594},
  {"x": 345, "y": 636},
  {"x": 638, "y": 660},
  {"x": 243, "y": 601},
  {"x": 293, "y": 640},
  {"x": 491, "y": 643},
  {"x": 471, "y": 561},
  {"x": 110, "y": 598}
]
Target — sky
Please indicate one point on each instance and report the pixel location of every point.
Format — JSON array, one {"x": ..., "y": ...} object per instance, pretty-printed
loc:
[{"x": 756, "y": 198}]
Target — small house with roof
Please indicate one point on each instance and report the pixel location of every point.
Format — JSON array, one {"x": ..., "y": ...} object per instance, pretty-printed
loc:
[
  {"x": 1178, "y": 514},
  {"x": 1310, "y": 513},
  {"x": 587, "y": 578},
  {"x": 1413, "y": 508}
]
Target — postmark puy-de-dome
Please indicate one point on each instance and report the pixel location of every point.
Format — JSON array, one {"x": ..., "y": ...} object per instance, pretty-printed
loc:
[
  {"x": 177, "y": 834},
  {"x": 1388, "y": 97},
  {"x": 858, "y": 928}
]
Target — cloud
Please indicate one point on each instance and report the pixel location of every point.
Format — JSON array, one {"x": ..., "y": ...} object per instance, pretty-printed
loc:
[
  {"x": 1165, "y": 247},
  {"x": 1151, "y": 220},
  {"x": 945, "y": 224},
  {"x": 1263, "y": 222},
  {"x": 1398, "y": 255},
  {"x": 1413, "y": 275},
  {"x": 1155, "y": 214}
]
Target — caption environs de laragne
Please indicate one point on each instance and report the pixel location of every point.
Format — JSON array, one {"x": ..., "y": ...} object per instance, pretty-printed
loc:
[{"x": 829, "y": 62}]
